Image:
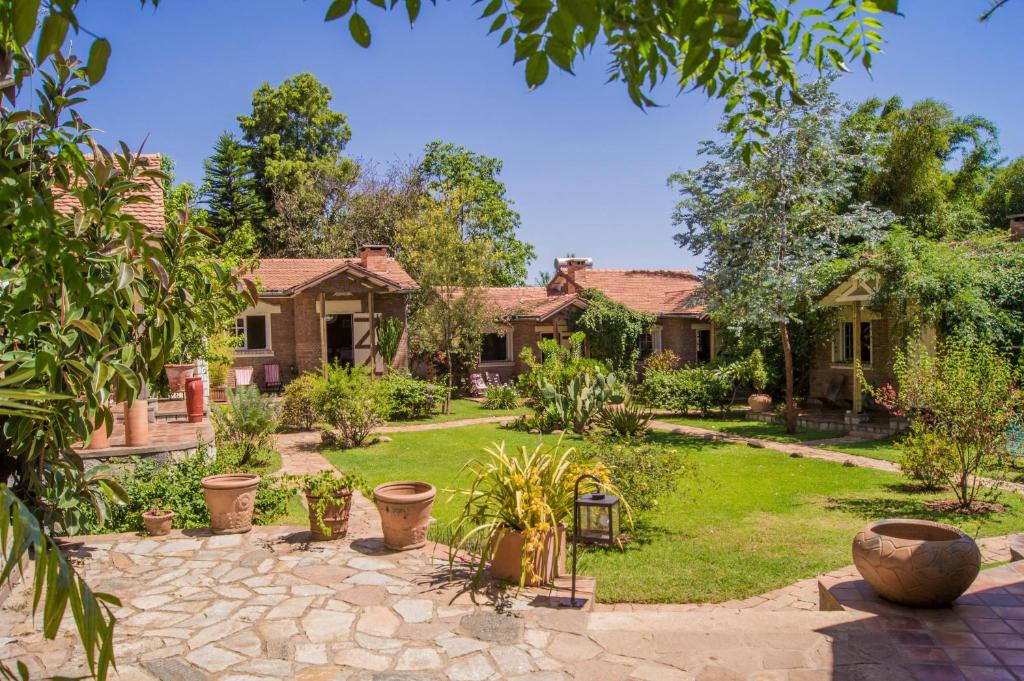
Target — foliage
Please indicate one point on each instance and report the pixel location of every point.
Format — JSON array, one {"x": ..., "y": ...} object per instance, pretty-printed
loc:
[
  {"x": 576, "y": 403},
  {"x": 613, "y": 331},
  {"x": 642, "y": 471},
  {"x": 1005, "y": 195},
  {"x": 403, "y": 397},
  {"x": 754, "y": 372},
  {"x": 229, "y": 190},
  {"x": 501, "y": 397},
  {"x": 966, "y": 399},
  {"x": 389, "y": 335},
  {"x": 325, "y": 486},
  {"x": 923, "y": 457},
  {"x": 220, "y": 356},
  {"x": 298, "y": 406},
  {"x": 247, "y": 422},
  {"x": 627, "y": 420},
  {"x": 703, "y": 387},
  {"x": 558, "y": 366},
  {"x": 530, "y": 492},
  {"x": 454, "y": 174},
  {"x": 769, "y": 229},
  {"x": 347, "y": 400},
  {"x": 662, "y": 360}
]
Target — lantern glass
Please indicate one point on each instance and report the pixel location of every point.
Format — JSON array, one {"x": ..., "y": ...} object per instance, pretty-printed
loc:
[{"x": 599, "y": 518}]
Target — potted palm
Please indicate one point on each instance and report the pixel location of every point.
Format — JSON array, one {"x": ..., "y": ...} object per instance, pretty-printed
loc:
[
  {"x": 329, "y": 499},
  {"x": 157, "y": 520},
  {"x": 517, "y": 510},
  {"x": 757, "y": 374}
]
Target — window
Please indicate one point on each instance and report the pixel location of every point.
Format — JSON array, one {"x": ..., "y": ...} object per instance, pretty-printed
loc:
[
  {"x": 254, "y": 330},
  {"x": 844, "y": 345},
  {"x": 646, "y": 344},
  {"x": 495, "y": 348},
  {"x": 703, "y": 346}
]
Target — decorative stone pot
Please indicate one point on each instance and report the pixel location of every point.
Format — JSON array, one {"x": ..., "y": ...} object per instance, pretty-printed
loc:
[
  {"x": 404, "y": 509},
  {"x": 759, "y": 402},
  {"x": 230, "y": 498},
  {"x": 157, "y": 522},
  {"x": 136, "y": 423},
  {"x": 548, "y": 563},
  {"x": 335, "y": 516},
  {"x": 194, "y": 399},
  {"x": 176, "y": 375},
  {"x": 917, "y": 563}
]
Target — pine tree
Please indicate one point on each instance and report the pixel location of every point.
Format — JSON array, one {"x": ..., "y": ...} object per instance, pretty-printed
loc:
[{"x": 229, "y": 189}]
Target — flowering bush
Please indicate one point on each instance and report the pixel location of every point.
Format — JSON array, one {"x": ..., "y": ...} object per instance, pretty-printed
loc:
[
  {"x": 662, "y": 360},
  {"x": 501, "y": 397}
]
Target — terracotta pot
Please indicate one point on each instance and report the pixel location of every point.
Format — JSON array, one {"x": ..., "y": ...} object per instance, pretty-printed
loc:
[
  {"x": 194, "y": 399},
  {"x": 176, "y": 375},
  {"x": 335, "y": 516},
  {"x": 136, "y": 423},
  {"x": 759, "y": 402},
  {"x": 158, "y": 523},
  {"x": 230, "y": 498},
  {"x": 404, "y": 509},
  {"x": 99, "y": 438},
  {"x": 916, "y": 562},
  {"x": 507, "y": 561}
]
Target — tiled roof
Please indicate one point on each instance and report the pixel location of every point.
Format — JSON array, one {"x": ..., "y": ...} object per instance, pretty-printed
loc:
[
  {"x": 527, "y": 301},
  {"x": 671, "y": 292},
  {"x": 289, "y": 274},
  {"x": 150, "y": 213}
]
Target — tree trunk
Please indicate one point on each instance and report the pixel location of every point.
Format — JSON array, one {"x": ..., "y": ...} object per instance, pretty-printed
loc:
[
  {"x": 448, "y": 392},
  {"x": 787, "y": 356}
]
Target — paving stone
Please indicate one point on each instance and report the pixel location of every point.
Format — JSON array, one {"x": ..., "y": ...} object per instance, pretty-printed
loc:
[
  {"x": 492, "y": 626},
  {"x": 173, "y": 670},
  {"x": 326, "y": 626},
  {"x": 471, "y": 668},
  {"x": 461, "y": 645},
  {"x": 512, "y": 660},
  {"x": 289, "y": 608},
  {"x": 367, "y": 563},
  {"x": 572, "y": 648},
  {"x": 414, "y": 610},
  {"x": 377, "y": 643},
  {"x": 213, "y": 659},
  {"x": 246, "y": 643},
  {"x": 363, "y": 659},
  {"x": 266, "y": 667},
  {"x": 311, "y": 653},
  {"x": 418, "y": 659},
  {"x": 378, "y": 620}
]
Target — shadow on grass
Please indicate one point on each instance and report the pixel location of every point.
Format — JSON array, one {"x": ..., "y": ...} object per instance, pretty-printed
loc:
[
  {"x": 877, "y": 508},
  {"x": 665, "y": 437}
]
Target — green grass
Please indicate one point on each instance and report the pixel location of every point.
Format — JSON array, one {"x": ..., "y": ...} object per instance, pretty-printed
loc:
[
  {"x": 753, "y": 520},
  {"x": 463, "y": 409},
  {"x": 885, "y": 449},
  {"x": 736, "y": 424},
  {"x": 296, "y": 515}
]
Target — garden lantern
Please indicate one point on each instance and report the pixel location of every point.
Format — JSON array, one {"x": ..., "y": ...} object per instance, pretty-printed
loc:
[{"x": 595, "y": 521}]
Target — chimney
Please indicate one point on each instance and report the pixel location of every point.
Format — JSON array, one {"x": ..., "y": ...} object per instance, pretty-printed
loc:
[
  {"x": 568, "y": 267},
  {"x": 371, "y": 254},
  {"x": 1017, "y": 227}
]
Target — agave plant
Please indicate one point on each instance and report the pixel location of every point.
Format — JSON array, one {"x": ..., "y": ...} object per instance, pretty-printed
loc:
[
  {"x": 628, "y": 419},
  {"x": 583, "y": 397}
]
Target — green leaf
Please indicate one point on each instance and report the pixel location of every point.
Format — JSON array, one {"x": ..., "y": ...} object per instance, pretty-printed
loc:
[
  {"x": 25, "y": 14},
  {"x": 359, "y": 30},
  {"x": 338, "y": 9},
  {"x": 536, "y": 69},
  {"x": 88, "y": 327},
  {"x": 412, "y": 7},
  {"x": 492, "y": 7},
  {"x": 99, "y": 53},
  {"x": 55, "y": 29}
]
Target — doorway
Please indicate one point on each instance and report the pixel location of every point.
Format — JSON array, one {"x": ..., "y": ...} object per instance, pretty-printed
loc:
[{"x": 339, "y": 339}]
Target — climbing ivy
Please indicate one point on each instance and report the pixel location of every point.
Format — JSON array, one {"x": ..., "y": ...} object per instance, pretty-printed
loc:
[{"x": 613, "y": 331}]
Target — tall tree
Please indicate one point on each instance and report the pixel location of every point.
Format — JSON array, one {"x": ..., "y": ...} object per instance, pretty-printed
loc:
[
  {"x": 452, "y": 173},
  {"x": 770, "y": 227},
  {"x": 1005, "y": 195},
  {"x": 229, "y": 189}
]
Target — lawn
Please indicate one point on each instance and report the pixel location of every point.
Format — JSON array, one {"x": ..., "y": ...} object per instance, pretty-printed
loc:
[
  {"x": 733, "y": 423},
  {"x": 463, "y": 409},
  {"x": 885, "y": 449},
  {"x": 753, "y": 520}
]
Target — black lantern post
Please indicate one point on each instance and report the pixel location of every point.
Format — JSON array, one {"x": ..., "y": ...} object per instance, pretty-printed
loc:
[{"x": 595, "y": 519}]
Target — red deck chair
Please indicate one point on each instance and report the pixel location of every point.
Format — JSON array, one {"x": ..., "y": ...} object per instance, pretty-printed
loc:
[
  {"x": 477, "y": 385},
  {"x": 272, "y": 377}
]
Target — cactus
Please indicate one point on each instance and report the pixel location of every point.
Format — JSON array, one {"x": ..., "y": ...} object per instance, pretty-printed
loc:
[{"x": 584, "y": 396}]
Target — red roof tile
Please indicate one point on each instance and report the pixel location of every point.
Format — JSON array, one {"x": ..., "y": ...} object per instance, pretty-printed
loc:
[
  {"x": 663, "y": 292},
  {"x": 287, "y": 275},
  {"x": 528, "y": 301},
  {"x": 150, "y": 213}
]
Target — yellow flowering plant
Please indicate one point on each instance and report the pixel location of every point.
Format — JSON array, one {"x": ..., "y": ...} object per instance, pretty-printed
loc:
[{"x": 530, "y": 491}]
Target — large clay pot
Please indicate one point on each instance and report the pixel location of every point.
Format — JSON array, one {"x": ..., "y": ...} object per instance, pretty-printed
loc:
[
  {"x": 194, "y": 399},
  {"x": 176, "y": 375},
  {"x": 230, "y": 498},
  {"x": 759, "y": 402},
  {"x": 136, "y": 423},
  {"x": 548, "y": 563},
  {"x": 404, "y": 509},
  {"x": 335, "y": 516},
  {"x": 158, "y": 523},
  {"x": 916, "y": 562},
  {"x": 99, "y": 439}
]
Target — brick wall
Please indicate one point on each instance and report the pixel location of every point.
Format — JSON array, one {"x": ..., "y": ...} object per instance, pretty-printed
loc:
[
  {"x": 824, "y": 373},
  {"x": 677, "y": 335}
]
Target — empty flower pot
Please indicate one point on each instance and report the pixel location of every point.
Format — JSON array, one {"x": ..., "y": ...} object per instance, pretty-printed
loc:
[
  {"x": 404, "y": 509},
  {"x": 335, "y": 515},
  {"x": 136, "y": 423},
  {"x": 230, "y": 498},
  {"x": 176, "y": 375},
  {"x": 759, "y": 403},
  {"x": 916, "y": 562},
  {"x": 194, "y": 399},
  {"x": 157, "y": 522}
]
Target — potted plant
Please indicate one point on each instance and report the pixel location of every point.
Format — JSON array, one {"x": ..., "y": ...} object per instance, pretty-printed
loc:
[
  {"x": 218, "y": 375},
  {"x": 757, "y": 375},
  {"x": 329, "y": 499},
  {"x": 404, "y": 508},
  {"x": 517, "y": 511},
  {"x": 220, "y": 355},
  {"x": 230, "y": 498},
  {"x": 157, "y": 520}
]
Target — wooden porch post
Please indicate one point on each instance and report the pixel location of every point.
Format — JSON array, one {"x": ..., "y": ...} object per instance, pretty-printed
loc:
[
  {"x": 373, "y": 334},
  {"x": 323, "y": 333},
  {"x": 856, "y": 358},
  {"x": 712, "y": 339}
]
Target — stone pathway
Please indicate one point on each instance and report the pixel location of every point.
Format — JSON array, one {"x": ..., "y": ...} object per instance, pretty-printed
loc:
[{"x": 442, "y": 425}]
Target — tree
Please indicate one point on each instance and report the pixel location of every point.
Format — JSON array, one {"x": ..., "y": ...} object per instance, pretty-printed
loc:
[
  {"x": 485, "y": 213},
  {"x": 451, "y": 313},
  {"x": 613, "y": 331},
  {"x": 229, "y": 189},
  {"x": 1005, "y": 195},
  {"x": 309, "y": 207},
  {"x": 770, "y": 229},
  {"x": 381, "y": 200}
]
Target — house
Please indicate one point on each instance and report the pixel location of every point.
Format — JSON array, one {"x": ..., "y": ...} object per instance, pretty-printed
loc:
[
  {"x": 310, "y": 312},
  {"x": 532, "y": 313}
]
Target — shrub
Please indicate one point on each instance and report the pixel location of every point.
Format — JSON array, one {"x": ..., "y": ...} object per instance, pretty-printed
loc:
[
  {"x": 347, "y": 400},
  {"x": 389, "y": 335},
  {"x": 574, "y": 405},
  {"x": 558, "y": 366},
  {"x": 404, "y": 397},
  {"x": 641, "y": 471},
  {"x": 700, "y": 387},
  {"x": 613, "y": 331},
  {"x": 627, "y": 420},
  {"x": 297, "y": 407},
  {"x": 501, "y": 397},
  {"x": 662, "y": 360},
  {"x": 247, "y": 422},
  {"x": 922, "y": 458},
  {"x": 323, "y": 486}
]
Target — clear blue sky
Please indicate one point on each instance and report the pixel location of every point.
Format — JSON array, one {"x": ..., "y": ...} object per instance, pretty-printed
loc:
[{"x": 585, "y": 168}]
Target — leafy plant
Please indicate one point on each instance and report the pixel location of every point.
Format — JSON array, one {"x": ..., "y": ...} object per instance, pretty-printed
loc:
[
  {"x": 613, "y": 331},
  {"x": 324, "y": 487},
  {"x": 347, "y": 400},
  {"x": 501, "y": 397},
  {"x": 662, "y": 360},
  {"x": 298, "y": 406},
  {"x": 220, "y": 356},
  {"x": 755, "y": 371},
  {"x": 627, "y": 420},
  {"x": 389, "y": 335},
  {"x": 248, "y": 422},
  {"x": 578, "y": 402},
  {"x": 403, "y": 397},
  {"x": 923, "y": 458},
  {"x": 642, "y": 471},
  {"x": 702, "y": 387},
  {"x": 558, "y": 366}
]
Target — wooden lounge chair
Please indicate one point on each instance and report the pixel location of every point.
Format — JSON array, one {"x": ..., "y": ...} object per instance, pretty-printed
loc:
[
  {"x": 272, "y": 377},
  {"x": 243, "y": 376},
  {"x": 477, "y": 385},
  {"x": 493, "y": 378}
]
